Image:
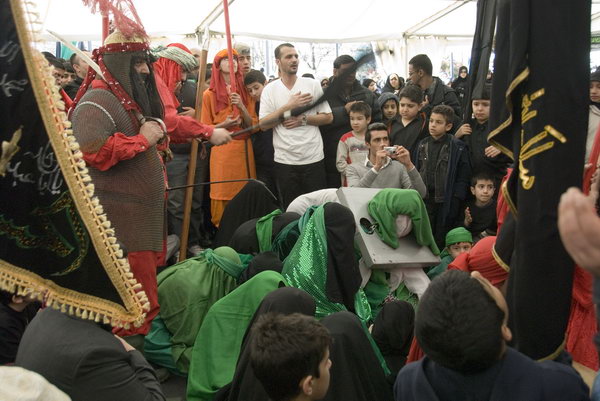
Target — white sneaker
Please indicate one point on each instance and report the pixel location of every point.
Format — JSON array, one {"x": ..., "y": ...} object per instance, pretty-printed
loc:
[
  {"x": 195, "y": 250},
  {"x": 172, "y": 245}
]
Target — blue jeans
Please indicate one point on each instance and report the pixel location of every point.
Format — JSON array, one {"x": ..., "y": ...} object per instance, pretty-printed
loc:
[{"x": 177, "y": 170}]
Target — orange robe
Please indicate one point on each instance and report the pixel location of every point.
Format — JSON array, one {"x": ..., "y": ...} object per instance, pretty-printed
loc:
[{"x": 227, "y": 162}]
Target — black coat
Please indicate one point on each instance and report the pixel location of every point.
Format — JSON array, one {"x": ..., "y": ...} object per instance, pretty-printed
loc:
[
  {"x": 518, "y": 378},
  {"x": 85, "y": 361}
]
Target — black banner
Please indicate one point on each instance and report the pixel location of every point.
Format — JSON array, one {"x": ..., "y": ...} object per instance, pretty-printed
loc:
[
  {"x": 44, "y": 243},
  {"x": 539, "y": 111}
]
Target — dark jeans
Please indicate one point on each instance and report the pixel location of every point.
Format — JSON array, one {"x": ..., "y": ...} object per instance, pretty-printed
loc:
[
  {"x": 177, "y": 170},
  {"x": 266, "y": 174},
  {"x": 296, "y": 180},
  {"x": 439, "y": 227}
]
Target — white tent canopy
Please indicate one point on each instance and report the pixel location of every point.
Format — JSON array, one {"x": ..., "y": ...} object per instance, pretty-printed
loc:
[
  {"x": 397, "y": 29},
  {"x": 331, "y": 21}
]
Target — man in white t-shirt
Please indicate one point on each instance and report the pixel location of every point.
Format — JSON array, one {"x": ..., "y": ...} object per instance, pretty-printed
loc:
[{"x": 299, "y": 166}]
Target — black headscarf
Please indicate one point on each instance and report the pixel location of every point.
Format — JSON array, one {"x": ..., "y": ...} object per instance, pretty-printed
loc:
[
  {"x": 244, "y": 239},
  {"x": 260, "y": 263},
  {"x": 393, "y": 332},
  {"x": 388, "y": 86},
  {"x": 245, "y": 386},
  {"x": 254, "y": 200},
  {"x": 343, "y": 275},
  {"x": 356, "y": 374}
]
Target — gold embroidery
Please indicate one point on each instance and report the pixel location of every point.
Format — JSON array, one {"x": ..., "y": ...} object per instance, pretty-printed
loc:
[
  {"x": 9, "y": 149},
  {"x": 527, "y": 148}
]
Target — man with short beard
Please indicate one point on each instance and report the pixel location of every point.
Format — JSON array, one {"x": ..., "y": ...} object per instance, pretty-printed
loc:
[{"x": 117, "y": 123}]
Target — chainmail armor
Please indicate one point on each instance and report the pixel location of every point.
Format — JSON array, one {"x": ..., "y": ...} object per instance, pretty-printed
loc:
[{"x": 132, "y": 192}]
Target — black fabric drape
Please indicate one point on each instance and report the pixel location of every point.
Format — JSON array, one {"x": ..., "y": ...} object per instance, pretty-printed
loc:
[
  {"x": 393, "y": 332},
  {"x": 262, "y": 262},
  {"x": 244, "y": 239},
  {"x": 254, "y": 200},
  {"x": 481, "y": 51},
  {"x": 356, "y": 374},
  {"x": 245, "y": 386},
  {"x": 343, "y": 275},
  {"x": 541, "y": 122}
]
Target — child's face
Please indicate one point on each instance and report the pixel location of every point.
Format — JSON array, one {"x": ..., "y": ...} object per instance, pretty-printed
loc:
[
  {"x": 255, "y": 89},
  {"x": 438, "y": 125},
  {"x": 359, "y": 122},
  {"x": 408, "y": 108},
  {"x": 390, "y": 109},
  {"x": 595, "y": 91},
  {"x": 320, "y": 384},
  {"x": 483, "y": 190},
  {"x": 481, "y": 109},
  {"x": 460, "y": 247}
]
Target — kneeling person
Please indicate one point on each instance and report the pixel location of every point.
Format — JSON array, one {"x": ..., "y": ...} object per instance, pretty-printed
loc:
[{"x": 384, "y": 168}]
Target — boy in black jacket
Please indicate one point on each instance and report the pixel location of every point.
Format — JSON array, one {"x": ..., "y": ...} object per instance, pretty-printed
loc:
[{"x": 411, "y": 126}]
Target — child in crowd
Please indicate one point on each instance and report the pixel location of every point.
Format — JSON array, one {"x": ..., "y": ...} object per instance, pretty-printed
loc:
[
  {"x": 484, "y": 157},
  {"x": 290, "y": 356},
  {"x": 480, "y": 213},
  {"x": 458, "y": 240},
  {"x": 443, "y": 162},
  {"x": 352, "y": 147},
  {"x": 262, "y": 141},
  {"x": 389, "y": 105},
  {"x": 412, "y": 122}
]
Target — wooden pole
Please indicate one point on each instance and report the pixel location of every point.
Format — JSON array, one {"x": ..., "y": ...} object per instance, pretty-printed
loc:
[
  {"x": 191, "y": 177},
  {"x": 229, "y": 47},
  {"x": 105, "y": 27}
]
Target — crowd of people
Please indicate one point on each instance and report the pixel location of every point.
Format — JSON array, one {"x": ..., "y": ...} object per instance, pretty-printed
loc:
[{"x": 239, "y": 317}]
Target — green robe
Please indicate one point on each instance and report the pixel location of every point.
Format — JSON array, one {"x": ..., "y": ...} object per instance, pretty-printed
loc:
[
  {"x": 220, "y": 338},
  {"x": 306, "y": 268},
  {"x": 187, "y": 290},
  {"x": 389, "y": 203}
]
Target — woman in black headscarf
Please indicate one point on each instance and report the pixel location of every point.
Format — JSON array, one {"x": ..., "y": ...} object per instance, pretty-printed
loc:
[
  {"x": 245, "y": 239},
  {"x": 461, "y": 85},
  {"x": 393, "y": 332},
  {"x": 245, "y": 386},
  {"x": 254, "y": 200},
  {"x": 393, "y": 84},
  {"x": 356, "y": 373}
]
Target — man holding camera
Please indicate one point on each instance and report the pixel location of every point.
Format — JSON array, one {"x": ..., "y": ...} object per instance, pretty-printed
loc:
[{"x": 386, "y": 166}]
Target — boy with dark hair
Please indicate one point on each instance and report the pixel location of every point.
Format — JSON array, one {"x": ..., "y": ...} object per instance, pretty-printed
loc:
[
  {"x": 290, "y": 356},
  {"x": 480, "y": 213},
  {"x": 443, "y": 162},
  {"x": 352, "y": 147},
  {"x": 412, "y": 122},
  {"x": 470, "y": 360},
  {"x": 484, "y": 157},
  {"x": 262, "y": 141}
]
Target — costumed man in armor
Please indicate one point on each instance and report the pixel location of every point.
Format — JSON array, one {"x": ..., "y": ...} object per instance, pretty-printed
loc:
[{"x": 118, "y": 123}]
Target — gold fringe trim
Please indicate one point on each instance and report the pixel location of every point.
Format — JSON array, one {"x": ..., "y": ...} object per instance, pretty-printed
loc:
[
  {"x": 520, "y": 78},
  {"x": 79, "y": 182},
  {"x": 499, "y": 260}
]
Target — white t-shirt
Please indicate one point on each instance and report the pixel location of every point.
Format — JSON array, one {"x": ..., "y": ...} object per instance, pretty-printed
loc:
[{"x": 300, "y": 145}]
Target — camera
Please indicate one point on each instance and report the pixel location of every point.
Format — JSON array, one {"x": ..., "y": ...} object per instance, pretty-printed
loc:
[{"x": 390, "y": 149}]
